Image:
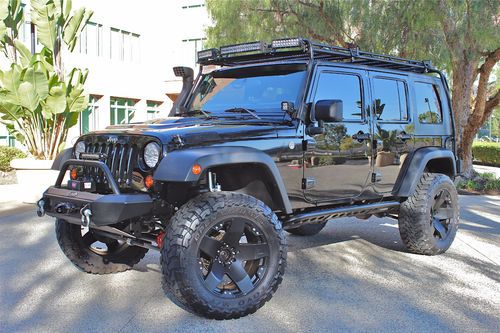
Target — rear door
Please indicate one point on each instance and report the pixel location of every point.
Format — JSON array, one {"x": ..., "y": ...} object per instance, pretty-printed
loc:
[
  {"x": 337, "y": 161},
  {"x": 393, "y": 130}
]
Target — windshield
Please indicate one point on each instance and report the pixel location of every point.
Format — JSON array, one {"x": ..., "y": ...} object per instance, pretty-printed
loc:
[{"x": 250, "y": 92}]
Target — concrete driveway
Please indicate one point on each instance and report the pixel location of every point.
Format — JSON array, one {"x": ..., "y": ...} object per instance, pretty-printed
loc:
[{"x": 353, "y": 276}]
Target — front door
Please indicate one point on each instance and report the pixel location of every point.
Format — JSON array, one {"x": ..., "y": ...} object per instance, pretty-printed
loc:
[{"x": 337, "y": 161}]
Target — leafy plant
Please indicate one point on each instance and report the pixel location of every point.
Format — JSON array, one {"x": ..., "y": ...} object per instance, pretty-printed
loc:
[
  {"x": 7, "y": 154},
  {"x": 481, "y": 182},
  {"x": 39, "y": 100},
  {"x": 388, "y": 138}
]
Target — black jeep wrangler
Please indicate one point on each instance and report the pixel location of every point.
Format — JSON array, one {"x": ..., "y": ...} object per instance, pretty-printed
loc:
[{"x": 269, "y": 137}]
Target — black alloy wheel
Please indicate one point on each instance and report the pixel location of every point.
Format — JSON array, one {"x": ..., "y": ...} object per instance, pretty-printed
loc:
[
  {"x": 442, "y": 212},
  {"x": 233, "y": 257}
]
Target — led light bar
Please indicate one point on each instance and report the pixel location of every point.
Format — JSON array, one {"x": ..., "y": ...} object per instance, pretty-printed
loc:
[
  {"x": 241, "y": 48},
  {"x": 286, "y": 43},
  {"x": 206, "y": 54}
]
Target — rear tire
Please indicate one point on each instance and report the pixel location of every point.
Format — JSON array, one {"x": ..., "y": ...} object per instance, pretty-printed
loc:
[
  {"x": 224, "y": 255},
  {"x": 428, "y": 220},
  {"x": 307, "y": 229},
  {"x": 83, "y": 250}
]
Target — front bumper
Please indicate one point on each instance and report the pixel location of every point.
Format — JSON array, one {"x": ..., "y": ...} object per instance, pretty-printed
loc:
[{"x": 105, "y": 209}]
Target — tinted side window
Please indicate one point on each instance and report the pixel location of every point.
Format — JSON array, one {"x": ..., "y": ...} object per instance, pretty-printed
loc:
[
  {"x": 345, "y": 87},
  {"x": 428, "y": 104},
  {"x": 390, "y": 99}
]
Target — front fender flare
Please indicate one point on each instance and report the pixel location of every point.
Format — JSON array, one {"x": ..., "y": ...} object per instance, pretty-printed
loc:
[
  {"x": 61, "y": 158},
  {"x": 177, "y": 165}
]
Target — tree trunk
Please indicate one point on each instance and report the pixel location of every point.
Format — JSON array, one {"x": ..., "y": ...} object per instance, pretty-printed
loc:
[
  {"x": 462, "y": 89},
  {"x": 472, "y": 108}
]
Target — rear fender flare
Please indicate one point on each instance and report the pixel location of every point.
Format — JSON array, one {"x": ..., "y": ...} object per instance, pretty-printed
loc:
[{"x": 414, "y": 166}]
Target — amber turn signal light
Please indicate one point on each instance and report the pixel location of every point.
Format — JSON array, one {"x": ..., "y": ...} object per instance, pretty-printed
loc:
[
  {"x": 196, "y": 169},
  {"x": 73, "y": 174},
  {"x": 148, "y": 181}
]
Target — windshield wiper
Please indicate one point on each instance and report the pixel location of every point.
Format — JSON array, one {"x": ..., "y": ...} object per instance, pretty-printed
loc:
[
  {"x": 243, "y": 110},
  {"x": 197, "y": 111}
]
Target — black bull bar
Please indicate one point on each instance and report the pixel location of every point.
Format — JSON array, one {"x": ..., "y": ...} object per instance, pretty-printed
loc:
[{"x": 86, "y": 208}]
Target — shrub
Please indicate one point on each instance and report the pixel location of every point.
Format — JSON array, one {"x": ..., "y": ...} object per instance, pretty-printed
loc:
[
  {"x": 7, "y": 154},
  {"x": 481, "y": 182},
  {"x": 487, "y": 152}
]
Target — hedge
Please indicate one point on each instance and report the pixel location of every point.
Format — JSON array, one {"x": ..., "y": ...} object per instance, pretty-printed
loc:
[
  {"x": 7, "y": 154},
  {"x": 487, "y": 152}
]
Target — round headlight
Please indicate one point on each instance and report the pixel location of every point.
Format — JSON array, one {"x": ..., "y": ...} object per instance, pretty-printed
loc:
[
  {"x": 79, "y": 148},
  {"x": 151, "y": 154}
]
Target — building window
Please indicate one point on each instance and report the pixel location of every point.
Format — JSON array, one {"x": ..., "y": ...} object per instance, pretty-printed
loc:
[
  {"x": 390, "y": 100},
  {"x": 89, "y": 117},
  {"x": 91, "y": 40},
  {"x": 122, "y": 110},
  {"x": 124, "y": 45},
  {"x": 25, "y": 33},
  {"x": 194, "y": 6},
  {"x": 7, "y": 140},
  {"x": 153, "y": 109},
  {"x": 194, "y": 45},
  {"x": 428, "y": 105}
]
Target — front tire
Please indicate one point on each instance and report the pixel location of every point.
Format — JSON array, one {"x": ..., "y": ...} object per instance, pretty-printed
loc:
[
  {"x": 224, "y": 255},
  {"x": 428, "y": 220},
  {"x": 93, "y": 253}
]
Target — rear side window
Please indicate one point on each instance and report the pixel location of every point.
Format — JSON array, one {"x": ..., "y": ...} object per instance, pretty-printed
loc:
[
  {"x": 390, "y": 100},
  {"x": 428, "y": 103},
  {"x": 345, "y": 87}
]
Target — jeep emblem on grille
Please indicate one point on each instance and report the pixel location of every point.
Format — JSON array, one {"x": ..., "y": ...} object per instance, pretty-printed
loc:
[{"x": 112, "y": 139}]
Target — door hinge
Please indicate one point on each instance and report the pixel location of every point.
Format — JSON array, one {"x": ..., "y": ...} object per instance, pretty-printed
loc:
[
  {"x": 376, "y": 177},
  {"x": 308, "y": 183}
]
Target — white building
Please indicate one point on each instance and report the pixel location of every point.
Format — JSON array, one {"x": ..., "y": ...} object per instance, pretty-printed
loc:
[{"x": 130, "y": 48}]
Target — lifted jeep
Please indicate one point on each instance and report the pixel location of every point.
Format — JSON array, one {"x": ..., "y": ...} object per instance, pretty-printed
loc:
[{"x": 269, "y": 137}]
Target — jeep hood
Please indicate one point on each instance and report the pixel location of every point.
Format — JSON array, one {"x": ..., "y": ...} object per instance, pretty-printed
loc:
[{"x": 196, "y": 131}]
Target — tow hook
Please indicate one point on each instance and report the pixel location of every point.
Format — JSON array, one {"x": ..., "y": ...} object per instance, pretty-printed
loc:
[
  {"x": 40, "y": 208},
  {"x": 86, "y": 214},
  {"x": 159, "y": 239}
]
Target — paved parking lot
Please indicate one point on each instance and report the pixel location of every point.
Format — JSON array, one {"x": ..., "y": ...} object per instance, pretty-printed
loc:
[{"x": 354, "y": 276}]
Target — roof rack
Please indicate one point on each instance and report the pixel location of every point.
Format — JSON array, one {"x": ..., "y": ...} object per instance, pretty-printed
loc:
[{"x": 304, "y": 49}]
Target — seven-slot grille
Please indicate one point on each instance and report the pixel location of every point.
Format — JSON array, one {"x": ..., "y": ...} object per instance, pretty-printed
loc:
[{"x": 121, "y": 159}]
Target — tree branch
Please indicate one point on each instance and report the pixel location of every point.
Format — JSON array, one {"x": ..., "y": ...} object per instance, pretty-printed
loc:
[
  {"x": 490, "y": 105},
  {"x": 484, "y": 75},
  {"x": 449, "y": 28}
]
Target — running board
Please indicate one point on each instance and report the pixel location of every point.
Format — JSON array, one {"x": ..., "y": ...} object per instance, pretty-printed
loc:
[{"x": 324, "y": 215}]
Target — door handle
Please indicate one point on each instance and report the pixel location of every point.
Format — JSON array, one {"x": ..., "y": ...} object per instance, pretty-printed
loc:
[
  {"x": 403, "y": 136},
  {"x": 361, "y": 136}
]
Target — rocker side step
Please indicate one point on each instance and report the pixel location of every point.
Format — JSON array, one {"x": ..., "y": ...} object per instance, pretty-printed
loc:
[{"x": 319, "y": 216}]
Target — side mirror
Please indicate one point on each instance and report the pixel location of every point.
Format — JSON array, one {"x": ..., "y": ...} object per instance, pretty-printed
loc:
[{"x": 329, "y": 110}]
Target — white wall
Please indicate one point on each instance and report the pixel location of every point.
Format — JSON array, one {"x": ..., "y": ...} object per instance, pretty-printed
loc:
[{"x": 162, "y": 26}]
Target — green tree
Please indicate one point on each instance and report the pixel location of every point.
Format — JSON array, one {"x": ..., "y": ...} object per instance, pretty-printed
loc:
[
  {"x": 39, "y": 100},
  {"x": 460, "y": 36}
]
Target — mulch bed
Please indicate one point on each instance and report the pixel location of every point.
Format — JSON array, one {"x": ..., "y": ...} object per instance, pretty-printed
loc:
[{"x": 474, "y": 192}]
